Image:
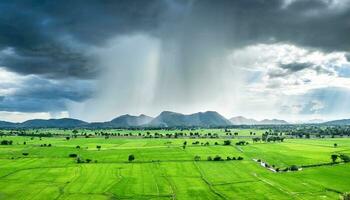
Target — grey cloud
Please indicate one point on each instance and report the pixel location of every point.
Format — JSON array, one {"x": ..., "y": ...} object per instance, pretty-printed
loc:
[
  {"x": 295, "y": 67},
  {"x": 34, "y": 28},
  {"x": 43, "y": 95},
  {"x": 347, "y": 56}
]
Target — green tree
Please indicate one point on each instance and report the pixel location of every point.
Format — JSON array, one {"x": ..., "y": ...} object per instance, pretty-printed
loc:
[
  {"x": 131, "y": 158},
  {"x": 334, "y": 157}
]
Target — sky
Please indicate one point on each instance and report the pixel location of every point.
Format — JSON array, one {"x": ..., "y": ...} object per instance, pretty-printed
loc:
[{"x": 94, "y": 60}]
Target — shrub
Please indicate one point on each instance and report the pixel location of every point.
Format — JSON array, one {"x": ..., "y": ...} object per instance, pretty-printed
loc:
[
  {"x": 78, "y": 147},
  {"x": 227, "y": 142},
  {"x": 217, "y": 158},
  {"x": 228, "y": 158},
  {"x": 241, "y": 143},
  {"x": 131, "y": 158},
  {"x": 334, "y": 157},
  {"x": 197, "y": 158},
  {"x": 294, "y": 168},
  {"x": 25, "y": 154},
  {"x": 344, "y": 157},
  {"x": 6, "y": 142},
  {"x": 88, "y": 160},
  {"x": 79, "y": 160},
  {"x": 240, "y": 158},
  {"x": 209, "y": 158},
  {"x": 73, "y": 155},
  {"x": 98, "y": 147}
]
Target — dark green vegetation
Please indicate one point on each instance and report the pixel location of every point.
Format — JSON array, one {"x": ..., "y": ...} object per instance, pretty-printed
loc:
[{"x": 172, "y": 164}]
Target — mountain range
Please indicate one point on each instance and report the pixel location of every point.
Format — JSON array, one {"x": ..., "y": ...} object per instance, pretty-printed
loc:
[
  {"x": 164, "y": 119},
  {"x": 246, "y": 121}
]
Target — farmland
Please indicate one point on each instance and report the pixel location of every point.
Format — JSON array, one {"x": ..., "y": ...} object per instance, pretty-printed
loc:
[{"x": 170, "y": 168}]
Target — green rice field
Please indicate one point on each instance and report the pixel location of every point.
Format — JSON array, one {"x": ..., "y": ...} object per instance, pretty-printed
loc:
[{"x": 34, "y": 168}]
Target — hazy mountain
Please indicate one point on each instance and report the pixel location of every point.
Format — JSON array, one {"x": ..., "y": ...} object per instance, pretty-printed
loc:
[
  {"x": 272, "y": 122},
  {"x": 338, "y": 122},
  {"x": 4, "y": 124},
  {"x": 315, "y": 121},
  {"x": 52, "y": 123},
  {"x": 201, "y": 119},
  {"x": 239, "y": 120},
  {"x": 130, "y": 121}
]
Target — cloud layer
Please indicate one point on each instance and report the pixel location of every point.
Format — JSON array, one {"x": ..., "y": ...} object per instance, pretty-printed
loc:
[{"x": 104, "y": 58}]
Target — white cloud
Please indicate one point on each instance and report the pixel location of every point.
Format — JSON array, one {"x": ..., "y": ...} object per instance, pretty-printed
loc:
[{"x": 274, "y": 85}]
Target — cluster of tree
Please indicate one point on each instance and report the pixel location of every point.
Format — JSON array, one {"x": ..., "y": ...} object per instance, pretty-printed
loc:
[
  {"x": 45, "y": 145},
  {"x": 219, "y": 158},
  {"x": 317, "y": 131},
  {"x": 230, "y": 134},
  {"x": 242, "y": 143},
  {"x": 6, "y": 142},
  {"x": 291, "y": 168},
  {"x": 342, "y": 157},
  {"x": 270, "y": 136},
  {"x": 88, "y": 160}
]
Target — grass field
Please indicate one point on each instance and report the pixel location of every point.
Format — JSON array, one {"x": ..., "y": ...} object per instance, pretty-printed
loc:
[{"x": 163, "y": 169}]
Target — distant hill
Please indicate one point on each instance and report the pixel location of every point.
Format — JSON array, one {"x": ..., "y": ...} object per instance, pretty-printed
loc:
[
  {"x": 4, "y": 124},
  {"x": 246, "y": 121},
  {"x": 272, "y": 122},
  {"x": 339, "y": 122},
  {"x": 201, "y": 119},
  {"x": 130, "y": 121},
  {"x": 52, "y": 123},
  {"x": 243, "y": 121},
  {"x": 314, "y": 121}
]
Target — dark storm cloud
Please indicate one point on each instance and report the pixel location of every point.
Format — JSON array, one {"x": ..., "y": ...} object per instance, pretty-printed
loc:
[
  {"x": 51, "y": 37},
  {"x": 54, "y": 39},
  {"x": 42, "y": 95},
  {"x": 347, "y": 56},
  {"x": 36, "y": 29}
]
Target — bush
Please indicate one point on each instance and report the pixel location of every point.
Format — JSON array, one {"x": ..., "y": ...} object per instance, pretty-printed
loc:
[
  {"x": 73, "y": 155},
  {"x": 294, "y": 168},
  {"x": 197, "y": 158},
  {"x": 228, "y": 158},
  {"x": 227, "y": 142},
  {"x": 209, "y": 158},
  {"x": 241, "y": 143},
  {"x": 6, "y": 142},
  {"x": 217, "y": 158},
  {"x": 25, "y": 154},
  {"x": 79, "y": 160},
  {"x": 240, "y": 158},
  {"x": 131, "y": 157},
  {"x": 344, "y": 157},
  {"x": 88, "y": 160}
]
